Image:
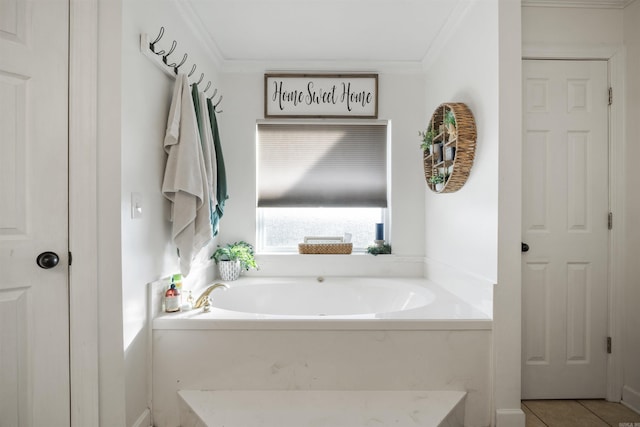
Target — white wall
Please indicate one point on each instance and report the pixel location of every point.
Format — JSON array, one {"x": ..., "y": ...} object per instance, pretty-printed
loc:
[
  {"x": 507, "y": 331},
  {"x": 399, "y": 101},
  {"x": 472, "y": 235},
  {"x": 571, "y": 26},
  {"x": 462, "y": 227},
  {"x": 631, "y": 292},
  {"x": 147, "y": 253}
]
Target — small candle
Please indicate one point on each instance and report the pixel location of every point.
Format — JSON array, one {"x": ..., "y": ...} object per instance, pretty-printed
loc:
[{"x": 379, "y": 231}]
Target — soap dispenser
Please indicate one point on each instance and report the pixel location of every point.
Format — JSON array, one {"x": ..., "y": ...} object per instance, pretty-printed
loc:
[{"x": 172, "y": 299}]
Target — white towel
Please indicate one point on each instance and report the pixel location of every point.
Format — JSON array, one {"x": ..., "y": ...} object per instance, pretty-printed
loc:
[
  {"x": 209, "y": 152},
  {"x": 185, "y": 179}
]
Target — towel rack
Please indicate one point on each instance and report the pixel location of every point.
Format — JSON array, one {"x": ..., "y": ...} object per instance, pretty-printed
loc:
[{"x": 169, "y": 66}]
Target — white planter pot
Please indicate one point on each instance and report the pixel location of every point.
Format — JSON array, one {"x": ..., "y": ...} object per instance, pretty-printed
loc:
[{"x": 229, "y": 270}]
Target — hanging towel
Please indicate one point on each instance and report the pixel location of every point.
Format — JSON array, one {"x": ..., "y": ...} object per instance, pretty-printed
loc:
[
  {"x": 185, "y": 182},
  {"x": 221, "y": 182},
  {"x": 208, "y": 150}
]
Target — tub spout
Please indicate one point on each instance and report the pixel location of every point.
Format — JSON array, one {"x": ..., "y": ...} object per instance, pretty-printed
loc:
[{"x": 205, "y": 295}]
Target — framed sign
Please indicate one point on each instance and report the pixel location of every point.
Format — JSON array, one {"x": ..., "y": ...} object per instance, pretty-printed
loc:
[{"x": 321, "y": 95}]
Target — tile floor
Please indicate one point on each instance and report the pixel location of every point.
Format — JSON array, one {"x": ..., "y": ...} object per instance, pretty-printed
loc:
[{"x": 578, "y": 413}]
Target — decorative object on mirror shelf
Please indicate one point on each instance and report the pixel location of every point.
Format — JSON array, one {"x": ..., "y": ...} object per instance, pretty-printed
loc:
[
  {"x": 379, "y": 249},
  {"x": 450, "y": 124},
  {"x": 323, "y": 245},
  {"x": 449, "y": 153},
  {"x": 438, "y": 181},
  {"x": 437, "y": 152},
  {"x": 427, "y": 139},
  {"x": 233, "y": 258},
  {"x": 448, "y": 162}
]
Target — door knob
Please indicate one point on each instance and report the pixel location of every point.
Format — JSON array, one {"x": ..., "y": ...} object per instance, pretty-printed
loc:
[
  {"x": 47, "y": 260},
  {"x": 525, "y": 247}
]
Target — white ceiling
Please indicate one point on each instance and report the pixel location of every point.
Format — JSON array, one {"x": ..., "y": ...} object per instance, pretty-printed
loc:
[
  {"x": 324, "y": 30},
  {"x": 348, "y": 31}
]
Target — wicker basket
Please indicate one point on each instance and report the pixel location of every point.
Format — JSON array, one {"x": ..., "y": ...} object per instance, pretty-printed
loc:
[{"x": 325, "y": 248}]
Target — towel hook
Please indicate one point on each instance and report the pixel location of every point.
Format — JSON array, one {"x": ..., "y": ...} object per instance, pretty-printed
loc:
[
  {"x": 174, "y": 44},
  {"x": 208, "y": 86},
  {"x": 193, "y": 69},
  {"x": 152, "y": 45},
  {"x": 214, "y": 93},
  {"x": 201, "y": 78},
  {"x": 215, "y": 106},
  {"x": 175, "y": 67}
]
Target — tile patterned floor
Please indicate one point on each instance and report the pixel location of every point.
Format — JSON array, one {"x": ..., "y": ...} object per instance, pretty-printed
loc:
[{"x": 578, "y": 413}]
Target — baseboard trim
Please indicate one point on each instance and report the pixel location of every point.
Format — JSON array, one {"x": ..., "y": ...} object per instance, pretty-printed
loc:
[
  {"x": 510, "y": 418},
  {"x": 631, "y": 398},
  {"x": 144, "y": 420}
]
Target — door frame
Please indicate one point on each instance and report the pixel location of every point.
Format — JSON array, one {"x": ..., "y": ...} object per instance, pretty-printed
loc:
[
  {"x": 83, "y": 212},
  {"x": 615, "y": 57}
]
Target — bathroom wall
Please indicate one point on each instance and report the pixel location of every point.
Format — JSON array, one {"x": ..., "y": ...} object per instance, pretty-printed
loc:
[
  {"x": 471, "y": 234},
  {"x": 399, "y": 101},
  {"x": 462, "y": 227},
  {"x": 147, "y": 253},
  {"x": 572, "y": 26},
  {"x": 631, "y": 293}
]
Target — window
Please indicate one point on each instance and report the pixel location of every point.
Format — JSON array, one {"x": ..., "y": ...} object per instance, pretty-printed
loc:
[{"x": 320, "y": 180}]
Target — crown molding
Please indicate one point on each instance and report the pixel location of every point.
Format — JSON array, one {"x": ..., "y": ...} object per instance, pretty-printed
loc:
[
  {"x": 395, "y": 67},
  {"x": 192, "y": 19},
  {"x": 448, "y": 29},
  {"x": 586, "y": 4}
]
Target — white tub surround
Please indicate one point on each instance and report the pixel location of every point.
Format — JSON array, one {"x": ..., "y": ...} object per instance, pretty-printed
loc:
[
  {"x": 321, "y": 408},
  {"x": 444, "y": 345},
  {"x": 471, "y": 288},
  {"x": 342, "y": 302}
]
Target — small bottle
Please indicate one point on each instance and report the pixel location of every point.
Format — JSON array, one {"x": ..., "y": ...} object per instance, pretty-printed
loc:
[
  {"x": 188, "y": 302},
  {"x": 172, "y": 299},
  {"x": 176, "y": 279}
]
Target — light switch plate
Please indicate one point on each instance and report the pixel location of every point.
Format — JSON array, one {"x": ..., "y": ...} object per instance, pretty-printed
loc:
[{"x": 136, "y": 205}]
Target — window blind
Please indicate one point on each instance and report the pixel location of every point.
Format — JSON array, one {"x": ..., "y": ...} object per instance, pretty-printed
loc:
[{"x": 322, "y": 165}]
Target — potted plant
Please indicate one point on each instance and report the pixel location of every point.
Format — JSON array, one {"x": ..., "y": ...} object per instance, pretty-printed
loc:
[
  {"x": 450, "y": 124},
  {"x": 383, "y": 249},
  {"x": 438, "y": 181},
  {"x": 233, "y": 258},
  {"x": 427, "y": 139}
]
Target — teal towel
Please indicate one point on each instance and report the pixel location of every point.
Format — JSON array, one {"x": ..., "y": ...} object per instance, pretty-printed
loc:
[
  {"x": 221, "y": 183},
  {"x": 200, "y": 119}
]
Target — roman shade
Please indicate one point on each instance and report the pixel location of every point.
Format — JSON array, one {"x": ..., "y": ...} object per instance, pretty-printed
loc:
[{"x": 322, "y": 165}]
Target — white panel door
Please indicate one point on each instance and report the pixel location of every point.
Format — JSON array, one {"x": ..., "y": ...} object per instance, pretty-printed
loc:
[
  {"x": 565, "y": 208},
  {"x": 34, "y": 313}
]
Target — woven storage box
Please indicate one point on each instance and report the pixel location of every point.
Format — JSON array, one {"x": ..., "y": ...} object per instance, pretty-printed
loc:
[{"x": 325, "y": 248}]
